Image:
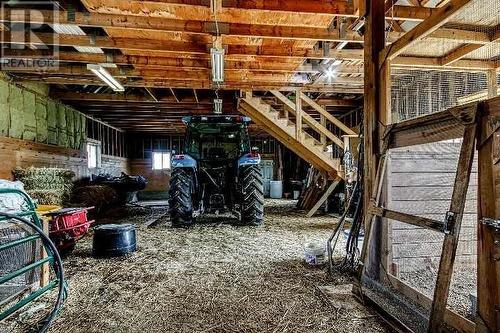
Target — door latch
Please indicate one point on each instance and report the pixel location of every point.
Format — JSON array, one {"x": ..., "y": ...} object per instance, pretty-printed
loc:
[{"x": 449, "y": 223}]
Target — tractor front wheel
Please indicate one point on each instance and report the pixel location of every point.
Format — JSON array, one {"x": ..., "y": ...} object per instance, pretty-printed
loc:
[
  {"x": 180, "y": 197},
  {"x": 252, "y": 187}
]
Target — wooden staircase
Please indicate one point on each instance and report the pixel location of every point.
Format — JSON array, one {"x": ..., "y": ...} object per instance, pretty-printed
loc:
[{"x": 292, "y": 134}]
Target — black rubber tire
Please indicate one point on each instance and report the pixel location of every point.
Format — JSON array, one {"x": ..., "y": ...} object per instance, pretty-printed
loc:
[
  {"x": 180, "y": 201},
  {"x": 252, "y": 187}
]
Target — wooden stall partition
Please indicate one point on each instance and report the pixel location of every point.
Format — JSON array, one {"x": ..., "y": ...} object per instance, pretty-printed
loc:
[{"x": 488, "y": 287}]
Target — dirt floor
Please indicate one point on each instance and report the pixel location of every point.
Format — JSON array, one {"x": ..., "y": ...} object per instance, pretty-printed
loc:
[{"x": 213, "y": 277}]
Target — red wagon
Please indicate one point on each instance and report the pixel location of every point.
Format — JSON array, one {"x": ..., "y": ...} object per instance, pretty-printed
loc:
[{"x": 67, "y": 225}]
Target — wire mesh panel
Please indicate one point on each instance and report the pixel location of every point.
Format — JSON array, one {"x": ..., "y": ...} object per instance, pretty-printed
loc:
[
  {"x": 17, "y": 257},
  {"x": 416, "y": 93},
  {"x": 420, "y": 182}
]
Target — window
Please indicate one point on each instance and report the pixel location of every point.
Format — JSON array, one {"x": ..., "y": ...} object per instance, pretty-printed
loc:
[
  {"x": 93, "y": 155},
  {"x": 161, "y": 161}
]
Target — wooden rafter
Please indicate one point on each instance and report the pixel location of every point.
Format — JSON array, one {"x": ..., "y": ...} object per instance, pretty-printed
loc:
[
  {"x": 196, "y": 96},
  {"x": 153, "y": 96},
  {"x": 459, "y": 53},
  {"x": 174, "y": 95},
  {"x": 425, "y": 28}
]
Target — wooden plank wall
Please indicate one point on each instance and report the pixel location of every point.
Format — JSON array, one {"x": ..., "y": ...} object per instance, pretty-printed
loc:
[
  {"x": 420, "y": 182},
  {"x": 21, "y": 153}
]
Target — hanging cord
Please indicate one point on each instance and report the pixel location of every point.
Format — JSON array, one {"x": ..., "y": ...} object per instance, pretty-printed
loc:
[
  {"x": 352, "y": 255},
  {"x": 218, "y": 36},
  {"x": 44, "y": 324}
]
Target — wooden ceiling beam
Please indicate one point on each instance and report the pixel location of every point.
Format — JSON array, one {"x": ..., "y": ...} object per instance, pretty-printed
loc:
[
  {"x": 174, "y": 48},
  {"x": 198, "y": 84},
  {"x": 128, "y": 99},
  {"x": 188, "y": 75},
  {"x": 182, "y": 73},
  {"x": 114, "y": 98},
  {"x": 205, "y": 28},
  {"x": 160, "y": 62},
  {"x": 257, "y": 63},
  {"x": 324, "y": 7},
  {"x": 164, "y": 24}
]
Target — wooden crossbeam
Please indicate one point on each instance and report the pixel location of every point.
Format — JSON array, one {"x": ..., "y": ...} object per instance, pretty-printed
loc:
[
  {"x": 444, "y": 125},
  {"x": 459, "y": 53},
  {"x": 407, "y": 218},
  {"x": 438, "y": 18}
]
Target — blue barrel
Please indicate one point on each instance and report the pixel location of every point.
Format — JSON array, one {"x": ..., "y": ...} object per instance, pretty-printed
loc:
[
  {"x": 113, "y": 240},
  {"x": 276, "y": 189}
]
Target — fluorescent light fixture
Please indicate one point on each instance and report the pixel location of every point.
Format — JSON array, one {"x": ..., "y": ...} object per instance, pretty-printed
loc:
[
  {"x": 217, "y": 106},
  {"x": 104, "y": 75},
  {"x": 217, "y": 58},
  {"x": 70, "y": 29}
]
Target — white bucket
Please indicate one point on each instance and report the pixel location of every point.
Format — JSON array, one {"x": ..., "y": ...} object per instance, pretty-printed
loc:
[
  {"x": 315, "y": 254},
  {"x": 276, "y": 189}
]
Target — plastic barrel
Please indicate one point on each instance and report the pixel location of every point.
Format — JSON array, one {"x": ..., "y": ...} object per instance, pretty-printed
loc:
[
  {"x": 113, "y": 240},
  {"x": 276, "y": 191}
]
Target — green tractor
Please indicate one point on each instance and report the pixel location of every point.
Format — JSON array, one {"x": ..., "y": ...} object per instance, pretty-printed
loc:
[{"x": 217, "y": 172}]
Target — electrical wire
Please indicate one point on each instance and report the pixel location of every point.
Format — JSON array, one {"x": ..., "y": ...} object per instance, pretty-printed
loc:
[
  {"x": 44, "y": 324},
  {"x": 217, "y": 36},
  {"x": 351, "y": 258}
]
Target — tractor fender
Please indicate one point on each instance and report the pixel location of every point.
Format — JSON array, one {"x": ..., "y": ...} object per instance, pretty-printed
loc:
[
  {"x": 248, "y": 159},
  {"x": 183, "y": 161}
]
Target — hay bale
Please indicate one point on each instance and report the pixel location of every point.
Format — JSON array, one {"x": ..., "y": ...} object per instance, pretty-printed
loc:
[
  {"x": 49, "y": 186},
  {"x": 101, "y": 197},
  {"x": 48, "y": 197}
]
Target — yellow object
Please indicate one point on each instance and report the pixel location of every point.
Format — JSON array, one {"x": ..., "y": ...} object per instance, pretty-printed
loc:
[{"x": 44, "y": 209}]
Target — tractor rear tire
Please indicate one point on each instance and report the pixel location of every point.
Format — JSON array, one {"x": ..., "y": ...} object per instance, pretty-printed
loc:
[
  {"x": 252, "y": 187},
  {"x": 180, "y": 200}
]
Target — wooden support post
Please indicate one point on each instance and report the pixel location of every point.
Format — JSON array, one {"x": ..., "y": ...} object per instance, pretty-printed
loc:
[
  {"x": 452, "y": 229},
  {"x": 376, "y": 107},
  {"x": 322, "y": 136},
  {"x": 492, "y": 83},
  {"x": 488, "y": 247},
  {"x": 298, "y": 116}
]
